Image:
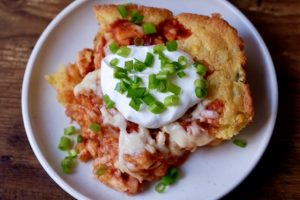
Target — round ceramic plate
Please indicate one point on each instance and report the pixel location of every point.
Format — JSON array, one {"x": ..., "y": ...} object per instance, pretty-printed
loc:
[{"x": 209, "y": 173}]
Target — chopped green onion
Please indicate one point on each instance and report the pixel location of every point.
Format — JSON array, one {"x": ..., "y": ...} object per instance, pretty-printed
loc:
[
  {"x": 114, "y": 62},
  {"x": 171, "y": 87},
  {"x": 135, "y": 103},
  {"x": 129, "y": 65},
  {"x": 162, "y": 86},
  {"x": 136, "y": 82},
  {"x": 70, "y": 130},
  {"x": 171, "y": 100},
  {"x": 136, "y": 92},
  {"x": 138, "y": 41},
  {"x": 148, "y": 99},
  {"x": 183, "y": 61},
  {"x": 181, "y": 74},
  {"x": 113, "y": 47},
  {"x": 159, "y": 48},
  {"x": 122, "y": 10},
  {"x": 72, "y": 153},
  {"x": 171, "y": 177},
  {"x": 200, "y": 92},
  {"x": 152, "y": 81},
  {"x": 139, "y": 65},
  {"x": 200, "y": 69},
  {"x": 136, "y": 18},
  {"x": 160, "y": 187},
  {"x": 149, "y": 60},
  {"x": 148, "y": 28},
  {"x": 123, "y": 51},
  {"x": 119, "y": 72},
  {"x": 101, "y": 170},
  {"x": 157, "y": 107},
  {"x": 162, "y": 75},
  {"x": 169, "y": 69},
  {"x": 65, "y": 143},
  {"x": 163, "y": 59},
  {"x": 108, "y": 102},
  {"x": 95, "y": 127},
  {"x": 79, "y": 139},
  {"x": 67, "y": 165},
  {"x": 202, "y": 83},
  {"x": 122, "y": 87},
  {"x": 240, "y": 143},
  {"x": 171, "y": 45}
]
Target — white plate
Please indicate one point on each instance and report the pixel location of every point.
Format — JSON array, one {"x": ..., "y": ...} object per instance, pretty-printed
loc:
[{"x": 209, "y": 173}]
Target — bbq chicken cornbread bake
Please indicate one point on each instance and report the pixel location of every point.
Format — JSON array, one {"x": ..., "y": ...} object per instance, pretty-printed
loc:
[{"x": 152, "y": 89}]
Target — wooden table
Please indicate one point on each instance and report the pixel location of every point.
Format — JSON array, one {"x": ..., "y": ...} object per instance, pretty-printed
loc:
[{"x": 277, "y": 175}]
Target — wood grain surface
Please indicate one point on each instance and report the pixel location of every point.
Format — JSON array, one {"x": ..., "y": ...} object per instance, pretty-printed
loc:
[{"x": 277, "y": 176}]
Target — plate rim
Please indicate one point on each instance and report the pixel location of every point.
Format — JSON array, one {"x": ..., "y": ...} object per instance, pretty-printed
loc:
[{"x": 27, "y": 78}]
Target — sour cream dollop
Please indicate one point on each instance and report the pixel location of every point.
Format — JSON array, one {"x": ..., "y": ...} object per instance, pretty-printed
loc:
[{"x": 144, "y": 117}]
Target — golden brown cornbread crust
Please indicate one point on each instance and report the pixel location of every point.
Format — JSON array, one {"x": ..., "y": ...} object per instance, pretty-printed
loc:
[{"x": 216, "y": 44}]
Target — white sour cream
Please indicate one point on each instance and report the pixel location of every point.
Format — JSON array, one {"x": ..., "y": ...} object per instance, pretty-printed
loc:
[{"x": 144, "y": 117}]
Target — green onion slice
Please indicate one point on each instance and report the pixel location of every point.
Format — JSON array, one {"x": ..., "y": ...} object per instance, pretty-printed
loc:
[
  {"x": 119, "y": 72},
  {"x": 79, "y": 139},
  {"x": 136, "y": 82},
  {"x": 200, "y": 92},
  {"x": 136, "y": 92},
  {"x": 200, "y": 69},
  {"x": 135, "y": 103},
  {"x": 122, "y": 87},
  {"x": 65, "y": 143},
  {"x": 171, "y": 45},
  {"x": 67, "y": 165},
  {"x": 70, "y": 130},
  {"x": 72, "y": 153},
  {"x": 171, "y": 177},
  {"x": 114, "y": 62},
  {"x": 95, "y": 127},
  {"x": 171, "y": 100},
  {"x": 148, "y": 99},
  {"x": 157, "y": 107},
  {"x": 152, "y": 81},
  {"x": 108, "y": 102},
  {"x": 139, "y": 65},
  {"x": 239, "y": 142},
  {"x": 159, "y": 48},
  {"x": 169, "y": 68},
  {"x": 136, "y": 18},
  {"x": 181, "y": 74},
  {"x": 113, "y": 47},
  {"x": 171, "y": 87},
  {"x": 129, "y": 65},
  {"x": 162, "y": 86},
  {"x": 149, "y": 60},
  {"x": 162, "y": 75},
  {"x": 183, "y": 61},
  {"x": 101, "y": 170},
  {"x": 122, "y": 10},
  {"x": 148, "y": 28},
  {"x": 160, "y": 187},
  {"x": 123, "y": 51}
]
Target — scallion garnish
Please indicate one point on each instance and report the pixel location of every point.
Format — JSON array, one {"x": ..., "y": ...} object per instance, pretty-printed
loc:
[
  {"x": 148, "y": 99},
  {"x": 139, "y": 65},
  {"x": 67, "y": 165},
  {"x": 171, "y": 100},
  {"x": 135, "y": 103},
  {"x": 157, "y": 107},
  {"x": 122, "y": 87},
  {"x": 113, "y": 47},
  {"x": 160, "y": 187},
  {"x": 159, "y": 48},
  {"x": 162, "y": 75},
  {"x": 95, "y": 127},
  {"x": 171, "y": 45},
  {"x": 169, "y": 68},
  {"x": 108, "y": 102},
  {"x": 119, "y": 72},
  {"x": 183, "y": 61},
  {"x": 149, "y": 60},
  {"x": 148, "y": 28},
  {"x": 72, "y": 153},
  {"x": 65, "y": 143},
  {"x": 114, "y": 62},
  {"x": 181, "y": 74},
  {"x": 79, "y": 139},
  {"x": 171, "y": 87},
  {"x": 70, "y": 130},
  {"x": 162, "y": 86},
  {"x": 136, "y": 82},
  {"x": 123, "y": 51},
  {"x": 171, "y": 177},
  {"x": 101, "y": 170},
  {"x": 136, "y": 18},
  {"x": 129, "y": 65},
  {"x": 239, "y": 142},
  {"x": 136, "y": 92},
  {"x": 200, "y": 69},
  {"x": 122, "y": 10},
  {"x": 152, "y": 81},
  {"x": 201, "y": 88}
]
